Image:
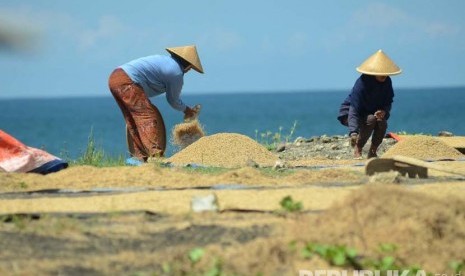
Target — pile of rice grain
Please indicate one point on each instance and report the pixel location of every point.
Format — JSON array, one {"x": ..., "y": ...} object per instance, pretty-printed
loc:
[
  {"x": 228, "y": 150},
  {"x": 423, "y": 147},
  {"x": 187, "y": 133}
]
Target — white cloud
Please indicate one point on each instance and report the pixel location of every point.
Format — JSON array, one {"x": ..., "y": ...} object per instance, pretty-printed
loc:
[
  {"x": 223, "y": 40},
  {"x": 267, "y": 45},
  {"x": 298, "y": 43},
  {"x": 381, "y": 19},
  {"x": 108, "y": 27},
  {"x": 378, "y": 15},
  {"x": 438, "y": 29}
]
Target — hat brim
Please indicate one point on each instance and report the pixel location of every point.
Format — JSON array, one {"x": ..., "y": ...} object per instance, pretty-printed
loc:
[{"x": 378, "y": 73}]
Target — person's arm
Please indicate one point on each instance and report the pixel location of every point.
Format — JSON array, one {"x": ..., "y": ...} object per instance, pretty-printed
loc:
[
  {"x": 355, "y": 107},
  {"x": 173, "y": 94},
  {"x": 389, "y": 101},
  {"x": 344, "y": 112}
]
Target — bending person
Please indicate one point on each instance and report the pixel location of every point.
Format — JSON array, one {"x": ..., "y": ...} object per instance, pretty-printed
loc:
[{"x": 133, "y": 83}]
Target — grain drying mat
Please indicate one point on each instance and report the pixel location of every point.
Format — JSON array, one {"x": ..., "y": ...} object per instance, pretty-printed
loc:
[{"x": 179, "y": 201}]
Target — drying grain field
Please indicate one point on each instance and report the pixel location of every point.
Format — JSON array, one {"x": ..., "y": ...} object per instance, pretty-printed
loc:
[{"x": 306, "y": 207}]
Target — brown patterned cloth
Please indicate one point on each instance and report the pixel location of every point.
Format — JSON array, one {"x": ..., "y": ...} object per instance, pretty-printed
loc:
[{"x": 146, "y": 133}]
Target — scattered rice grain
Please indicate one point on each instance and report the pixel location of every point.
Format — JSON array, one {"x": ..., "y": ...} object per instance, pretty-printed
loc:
[{"x": 187, "y": 133}]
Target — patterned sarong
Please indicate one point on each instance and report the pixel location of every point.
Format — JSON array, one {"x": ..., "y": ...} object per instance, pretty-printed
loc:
[{"x": 146, "y": 134}]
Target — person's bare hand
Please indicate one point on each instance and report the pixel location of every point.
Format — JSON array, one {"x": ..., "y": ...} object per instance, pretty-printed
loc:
[
  {"x": 191, "y": 113},
  {"x": 380, "y": 114}
]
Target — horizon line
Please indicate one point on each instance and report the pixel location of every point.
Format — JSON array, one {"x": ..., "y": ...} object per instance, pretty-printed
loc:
[{"x": 198, "y": 93}]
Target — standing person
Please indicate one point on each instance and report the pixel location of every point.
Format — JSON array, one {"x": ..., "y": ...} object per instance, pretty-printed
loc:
[
  {"x": 367, "y": 109},
  {"x": 133, "y": 83}
]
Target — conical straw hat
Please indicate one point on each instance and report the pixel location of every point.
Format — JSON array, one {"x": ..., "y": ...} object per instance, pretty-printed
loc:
[
  {"x": 189, "y": 54},
  {"x": 379, "y": 64}
]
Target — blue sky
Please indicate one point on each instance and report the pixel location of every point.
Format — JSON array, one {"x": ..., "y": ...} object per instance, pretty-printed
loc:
[{"x": 244, "y": 45}]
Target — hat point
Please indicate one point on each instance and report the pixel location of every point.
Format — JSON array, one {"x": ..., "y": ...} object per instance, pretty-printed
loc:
[
  {"x": 189, "y": 54},
  {"x": 379, "y": 64}
]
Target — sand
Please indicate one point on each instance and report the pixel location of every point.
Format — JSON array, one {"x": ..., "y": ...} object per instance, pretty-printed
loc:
[
  {"x": 228, "y": 150},
  {"x": 425, "y": 148}
]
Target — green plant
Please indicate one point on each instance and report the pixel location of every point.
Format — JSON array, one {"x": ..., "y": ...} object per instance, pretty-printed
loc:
[
  {"x": 271, "y": 140},
  {"x": 289, "y": 205},
  {"x": 195, "y": 255},
  {"x": 387, "y": 248},
  {"x": 94, "y": 156},
  {"x": 206, "y": 170},
  {"x": 216, "y": 269},
  {"x": 457, "y": 266},
  {"x": 274, "y": 172},
  {"x": 64, "y": 153},
  {"x": 338, "y": 255},
  {"x": 166, "y": 268}
]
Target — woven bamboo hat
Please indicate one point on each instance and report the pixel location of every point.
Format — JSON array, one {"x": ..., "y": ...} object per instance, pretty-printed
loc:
[
  {"x": 189, "y": 54},
  {"x": 379, "y": 64}
]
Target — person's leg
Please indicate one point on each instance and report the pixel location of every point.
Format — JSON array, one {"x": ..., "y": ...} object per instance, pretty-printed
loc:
[
  {"x": 378, "y": 134},
  {"x": 120, "y": 84},
  {"x": 366, "y": 126},
  {"x": 151, "y": 128},
  {"x": 146, "y": 133}
]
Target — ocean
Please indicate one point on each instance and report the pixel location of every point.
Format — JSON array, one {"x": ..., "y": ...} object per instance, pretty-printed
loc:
[{"x": 62, "y": 126}]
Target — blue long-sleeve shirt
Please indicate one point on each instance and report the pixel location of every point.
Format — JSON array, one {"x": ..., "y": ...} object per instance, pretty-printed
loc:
[
  {"x": 158, "y": 74},
  {"x": 368, "y": 96}
]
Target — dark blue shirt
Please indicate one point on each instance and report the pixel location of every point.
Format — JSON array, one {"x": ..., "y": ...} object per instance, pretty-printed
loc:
[{"x": 368, "y": 96}]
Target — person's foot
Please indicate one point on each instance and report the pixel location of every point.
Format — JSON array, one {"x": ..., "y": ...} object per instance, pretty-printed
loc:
[
  {"x": 353, "y": 139},
  {"x": 357, "y": 153},
  {"x": 372, "y": 153}
]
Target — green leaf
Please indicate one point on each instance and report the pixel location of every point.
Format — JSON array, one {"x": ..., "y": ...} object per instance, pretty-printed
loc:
[
  {"x": 387, "y": 247},
  {"x": 351, "y": 252},
  {"x": 457, "y": 266},
  {"x": 320, "y": 250},
  {"x": 289, "y": 205},
  {"x": 306, "y": 253},
  {"x": 339, "y": 258},
  {"x": 196, "y": 254},
  {"x": 166, "y": 267},
  {"x": 387, "y": 263}
]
